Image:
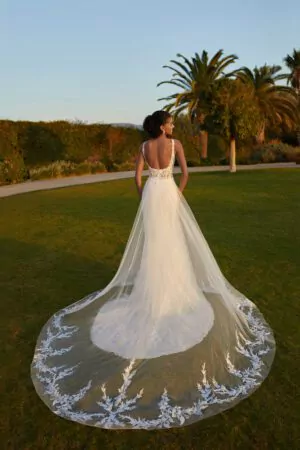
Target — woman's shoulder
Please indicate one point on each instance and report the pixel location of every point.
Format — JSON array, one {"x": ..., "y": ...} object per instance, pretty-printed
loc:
[
  {"x": 176, "y": 142},
  {"x": 143, "y": 146},
  {"x": 145, "y": 142},
  {"x": 177, "y": 145}
]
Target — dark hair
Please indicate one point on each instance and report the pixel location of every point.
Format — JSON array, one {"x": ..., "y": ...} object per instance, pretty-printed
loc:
[{"x": 153, "y": 122}]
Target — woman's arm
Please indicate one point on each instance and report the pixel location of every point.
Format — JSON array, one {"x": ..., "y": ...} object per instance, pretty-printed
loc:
[
  {"x": 138, "y": 171},
  {"x": 180, "y": 156}
]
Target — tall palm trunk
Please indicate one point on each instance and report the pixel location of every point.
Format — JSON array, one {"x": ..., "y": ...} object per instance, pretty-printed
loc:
[
  {"x": 232, "y": 155},
  {"x": 203, "y": 143},
  {"x": 260, "y": 138}
]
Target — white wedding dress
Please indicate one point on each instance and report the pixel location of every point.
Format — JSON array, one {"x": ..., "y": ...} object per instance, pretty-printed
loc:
[{"x": 169, "y": 341}]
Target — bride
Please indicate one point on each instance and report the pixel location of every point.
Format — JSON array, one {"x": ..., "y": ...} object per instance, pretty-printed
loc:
[{"x": 169, "y": 341}]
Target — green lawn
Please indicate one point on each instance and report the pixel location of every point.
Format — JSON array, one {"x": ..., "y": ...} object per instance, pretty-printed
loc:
[{"x": 57, "y": 246}]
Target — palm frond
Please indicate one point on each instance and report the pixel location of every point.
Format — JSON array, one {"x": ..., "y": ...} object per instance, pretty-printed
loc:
[{"x": 198, "y": 78}]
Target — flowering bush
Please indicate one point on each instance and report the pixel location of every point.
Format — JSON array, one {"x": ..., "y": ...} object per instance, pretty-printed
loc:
[
  {"x": 13, "y": 170},
  {"x": 65, "y": 168}
]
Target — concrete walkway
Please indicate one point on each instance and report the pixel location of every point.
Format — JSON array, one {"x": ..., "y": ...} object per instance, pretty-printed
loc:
[{"x": 54, "y": 183}]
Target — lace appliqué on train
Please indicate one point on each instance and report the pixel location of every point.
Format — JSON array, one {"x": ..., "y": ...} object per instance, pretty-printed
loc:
[{"x": 114, "y": 412}]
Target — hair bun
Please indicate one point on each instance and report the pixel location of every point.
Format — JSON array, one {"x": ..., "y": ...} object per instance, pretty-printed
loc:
[
  {"x": 153, "y": 122},
  {"x": 148, "y": 123}
]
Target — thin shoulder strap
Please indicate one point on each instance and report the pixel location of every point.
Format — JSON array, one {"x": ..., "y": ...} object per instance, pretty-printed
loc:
[{"x": 143, "y": 151}]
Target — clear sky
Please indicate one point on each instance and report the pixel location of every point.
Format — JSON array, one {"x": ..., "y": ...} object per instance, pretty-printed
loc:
[{"x": 100, "y": 60}]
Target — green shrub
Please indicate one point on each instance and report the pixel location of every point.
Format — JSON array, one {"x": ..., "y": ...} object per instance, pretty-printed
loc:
[
  {"x": 293, "y": 155},
  {"x": 90, "y": 167},
  {"x": 65, "y": 168},
  {"x": 224, "y": 161},
  {"x": 53, "y": 170},
  {"x": 4, "y": 173},
  {"x": 217, "y": 147},
  {"x": 39, "y": 144},
  {"x": 12, "y": 166},
  {"x": 42, "y": 175},
  {"x": 13, "y": 170},
  {"x": 192, "y": 163},
  {"x": 125, "y": 166},
  {"x": 265, "y": 153},
  {"x": 98, "y": 167},
  {"x": 81, "y": 169},
  {"x": 271, "y": 152},
  {"x": 243, "y": 156},
  {"x": 207, "y": 162},
  {"x": 109, "y": 164},
  {"x": 42, "y": 143}
]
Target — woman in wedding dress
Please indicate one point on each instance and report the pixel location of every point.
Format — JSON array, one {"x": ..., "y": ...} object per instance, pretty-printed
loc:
[{"x": 169, "y": 341}]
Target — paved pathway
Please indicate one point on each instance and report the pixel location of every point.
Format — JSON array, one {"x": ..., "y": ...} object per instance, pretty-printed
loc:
[{"x": 54, "y": 183}]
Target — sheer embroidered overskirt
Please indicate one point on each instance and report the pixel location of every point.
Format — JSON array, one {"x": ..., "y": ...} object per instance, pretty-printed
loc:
[{"x": 169, "y": 341}]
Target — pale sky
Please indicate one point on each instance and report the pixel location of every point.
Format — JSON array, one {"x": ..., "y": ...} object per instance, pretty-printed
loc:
[{"x": 99, "y": 61}]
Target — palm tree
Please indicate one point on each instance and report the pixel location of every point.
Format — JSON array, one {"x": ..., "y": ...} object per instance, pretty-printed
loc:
[
  {"x": 276, "y": 103},
  {"x": 293, "y": 63},
  {"x": 199, "y": 78},
  {"x": 235, "y": 115}
]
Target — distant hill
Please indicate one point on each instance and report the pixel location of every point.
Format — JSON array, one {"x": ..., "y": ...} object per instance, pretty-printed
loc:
[{"x": 127, "y": 125}]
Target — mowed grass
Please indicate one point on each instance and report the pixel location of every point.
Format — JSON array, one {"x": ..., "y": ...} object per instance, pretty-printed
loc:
[{"x": 57, "y": 246}]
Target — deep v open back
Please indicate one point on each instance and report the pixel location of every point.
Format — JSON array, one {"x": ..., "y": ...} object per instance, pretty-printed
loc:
[{"x": 166, "y": 172}]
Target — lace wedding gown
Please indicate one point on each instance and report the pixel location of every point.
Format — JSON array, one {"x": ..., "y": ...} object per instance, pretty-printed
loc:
[{"x": 169, "y": 341}]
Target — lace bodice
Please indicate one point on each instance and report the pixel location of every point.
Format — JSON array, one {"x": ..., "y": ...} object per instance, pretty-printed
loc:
[{"x": 166, "y": 172}]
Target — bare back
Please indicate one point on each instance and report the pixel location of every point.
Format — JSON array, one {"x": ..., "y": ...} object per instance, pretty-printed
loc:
[{"x": 158, "y": 153}]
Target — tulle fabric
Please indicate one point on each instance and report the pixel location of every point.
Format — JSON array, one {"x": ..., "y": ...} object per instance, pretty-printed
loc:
[{"x": 169, "y": 341}]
